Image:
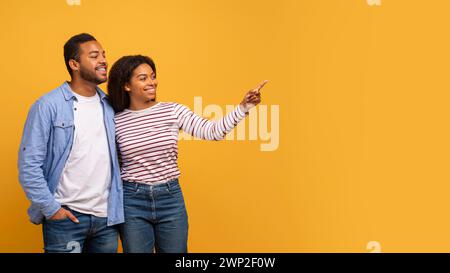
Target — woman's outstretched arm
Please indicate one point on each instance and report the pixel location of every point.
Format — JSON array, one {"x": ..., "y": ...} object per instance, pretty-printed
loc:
[{"x": 216, "y": 130}]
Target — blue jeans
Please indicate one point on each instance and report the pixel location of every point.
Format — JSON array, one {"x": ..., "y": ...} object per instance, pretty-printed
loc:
[
  {"x": 155, "y": 218},
  {"x": 91, "y": 235}
]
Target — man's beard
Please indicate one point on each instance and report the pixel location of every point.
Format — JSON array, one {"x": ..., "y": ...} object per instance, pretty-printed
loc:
[{"x": 90, "y": 77}]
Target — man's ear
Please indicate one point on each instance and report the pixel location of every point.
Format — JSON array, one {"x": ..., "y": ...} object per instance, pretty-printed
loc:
[{"x": 74, "y": 65}]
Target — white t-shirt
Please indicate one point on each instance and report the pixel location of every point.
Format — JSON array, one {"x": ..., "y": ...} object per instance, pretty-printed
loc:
[{"x": 86, "y": 178}]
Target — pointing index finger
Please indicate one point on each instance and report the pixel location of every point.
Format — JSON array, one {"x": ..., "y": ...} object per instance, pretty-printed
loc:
[{"x": 261, "y": 85}]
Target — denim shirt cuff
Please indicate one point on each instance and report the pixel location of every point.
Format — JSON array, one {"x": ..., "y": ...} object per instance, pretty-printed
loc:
[{"x": 51, "y": 209}]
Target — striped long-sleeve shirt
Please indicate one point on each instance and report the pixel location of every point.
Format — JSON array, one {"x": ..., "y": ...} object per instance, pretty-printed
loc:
[{"x": 148, "y": 139}]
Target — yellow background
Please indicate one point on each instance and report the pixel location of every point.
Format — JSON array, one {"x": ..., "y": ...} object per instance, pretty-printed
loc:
[{"x": 363, "y": 93}]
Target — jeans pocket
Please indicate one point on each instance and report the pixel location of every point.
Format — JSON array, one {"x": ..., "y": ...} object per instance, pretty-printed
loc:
[
  {"x": 175, "y": 192},
  {"x": 130, "y": 192},
  {"x": 57, "y": 220}
]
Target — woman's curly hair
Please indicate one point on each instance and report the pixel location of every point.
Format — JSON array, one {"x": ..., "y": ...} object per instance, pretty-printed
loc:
[{"x": 119, "y": 75}]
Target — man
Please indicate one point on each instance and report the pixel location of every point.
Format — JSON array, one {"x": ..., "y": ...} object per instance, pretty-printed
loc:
[{"x": 68, "y": 164}]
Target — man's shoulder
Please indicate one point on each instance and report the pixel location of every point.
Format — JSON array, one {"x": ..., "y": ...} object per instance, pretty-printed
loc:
[{"x": 52, "y": 98}]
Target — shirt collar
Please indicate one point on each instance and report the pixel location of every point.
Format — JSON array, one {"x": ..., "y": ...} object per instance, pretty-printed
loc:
[{"x": 68, "y": 93}]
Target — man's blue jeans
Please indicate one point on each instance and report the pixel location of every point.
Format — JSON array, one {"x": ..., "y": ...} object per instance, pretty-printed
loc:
[
  {"x": 155, "y": 218},
  {"x": 91, "y": 235}
]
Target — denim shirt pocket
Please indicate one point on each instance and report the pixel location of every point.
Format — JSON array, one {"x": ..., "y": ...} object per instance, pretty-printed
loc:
[
  {"x": 63, "y": 124},
  {"x": 62, "y": 134}
]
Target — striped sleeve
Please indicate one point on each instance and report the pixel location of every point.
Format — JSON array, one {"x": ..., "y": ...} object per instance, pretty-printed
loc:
[{"x": 203, "y": 128}]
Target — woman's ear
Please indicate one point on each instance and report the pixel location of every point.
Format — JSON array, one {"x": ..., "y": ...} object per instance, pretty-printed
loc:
[{"x": 127, "y": 87}]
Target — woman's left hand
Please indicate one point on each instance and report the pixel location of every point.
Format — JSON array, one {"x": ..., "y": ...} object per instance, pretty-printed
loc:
[{"x": 252, "y": 98}]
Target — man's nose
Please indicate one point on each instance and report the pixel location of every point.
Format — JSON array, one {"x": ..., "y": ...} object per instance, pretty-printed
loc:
[{"x": 103, "y": 60}]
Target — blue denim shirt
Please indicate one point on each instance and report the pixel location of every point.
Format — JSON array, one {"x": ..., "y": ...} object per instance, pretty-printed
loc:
[{"x": 45, "y": 147}]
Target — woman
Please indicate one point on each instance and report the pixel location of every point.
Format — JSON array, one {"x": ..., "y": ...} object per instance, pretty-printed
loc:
[{"x": 147, "y": 138}]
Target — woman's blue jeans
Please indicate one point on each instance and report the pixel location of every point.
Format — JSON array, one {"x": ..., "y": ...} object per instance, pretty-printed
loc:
[{"x": 155, "y": 218}]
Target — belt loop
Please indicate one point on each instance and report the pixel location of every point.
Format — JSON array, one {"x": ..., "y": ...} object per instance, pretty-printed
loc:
[
  {"x": 136, "y": 186},
  {"x": 174, "y": 181}
]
